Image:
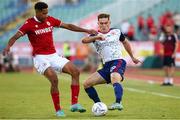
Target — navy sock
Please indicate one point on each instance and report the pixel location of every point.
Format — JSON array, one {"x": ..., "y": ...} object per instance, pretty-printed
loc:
[
  {"x": 92, "y": 94},
  {"x": 118, "y": 90}
]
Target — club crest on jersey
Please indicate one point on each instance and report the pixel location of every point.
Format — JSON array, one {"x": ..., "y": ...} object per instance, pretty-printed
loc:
[
  {"x": 169, "y": 37},
  {"x": 113, "y": 33},
  {"x": 48, "y": 23}
]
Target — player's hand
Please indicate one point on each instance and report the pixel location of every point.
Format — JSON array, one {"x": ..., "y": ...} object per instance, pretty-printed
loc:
[
  {"x": 6, "y": 50},
  {"x": 100, "y": 37},
  {"x": 136, "y": 61},
  {"x": 92, "y": 31},
  {"x": 173, "y": 55}
]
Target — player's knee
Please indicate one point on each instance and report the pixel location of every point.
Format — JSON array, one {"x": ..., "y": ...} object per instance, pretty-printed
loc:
[
  {"x": 75, "y": 73},
  {"x": 85, "y": 85},
  {"x": 54, "y": 83},
  {"x": 49, "y": 73},
  {"x": 115, "y": 78}
]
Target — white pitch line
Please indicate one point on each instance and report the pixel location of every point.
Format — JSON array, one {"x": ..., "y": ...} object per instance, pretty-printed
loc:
[
  {"x": 153, "y": 93},
  {"x": 143, "y": 91}
]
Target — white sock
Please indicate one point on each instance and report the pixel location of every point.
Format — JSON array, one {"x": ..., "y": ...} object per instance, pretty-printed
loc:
[
  {"x": 166, "y": 80},
  {"x": 170, "y": 80}
]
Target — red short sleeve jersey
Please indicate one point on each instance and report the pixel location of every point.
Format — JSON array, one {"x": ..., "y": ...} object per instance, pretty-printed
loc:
[
  {"x": 169, "y": 44},
  {"x": 40, "y": 34}
]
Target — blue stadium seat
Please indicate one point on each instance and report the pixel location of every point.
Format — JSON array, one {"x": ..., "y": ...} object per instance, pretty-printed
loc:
[
  {"x": 10, "y": 9},
  {"x": 69, "y": 13}
]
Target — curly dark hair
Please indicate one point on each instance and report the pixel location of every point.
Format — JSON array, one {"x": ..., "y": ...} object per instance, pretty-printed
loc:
[{"x": 40, "y": 6}]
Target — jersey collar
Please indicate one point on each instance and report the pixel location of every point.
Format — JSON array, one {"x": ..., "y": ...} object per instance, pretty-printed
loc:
[
  {"x": 35, "y": 18},
  {"x": 102, "y": 32}
]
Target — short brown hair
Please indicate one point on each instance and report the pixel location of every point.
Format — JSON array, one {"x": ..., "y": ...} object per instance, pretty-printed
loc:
[{"x": 103, "y": 15}]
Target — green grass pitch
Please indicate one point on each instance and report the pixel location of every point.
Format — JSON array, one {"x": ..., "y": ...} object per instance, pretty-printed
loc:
[{"x": 27, "y": 96}]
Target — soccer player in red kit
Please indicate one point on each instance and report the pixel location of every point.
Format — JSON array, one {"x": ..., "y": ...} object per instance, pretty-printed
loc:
[
  {"x": 39, "y": 30},
  {"x": 170, "y": 44}
]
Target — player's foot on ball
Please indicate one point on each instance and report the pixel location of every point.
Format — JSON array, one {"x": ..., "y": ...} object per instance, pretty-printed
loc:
[
  {"x": 60, "y": 113},
  {"x": 115, "y": 106},
  {"x": 77, "y": 108}
]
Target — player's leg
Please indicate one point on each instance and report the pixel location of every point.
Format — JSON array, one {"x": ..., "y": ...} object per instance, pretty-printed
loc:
[
  {"x": 165, "y": 68},
  {"x": 70, "y": 69},
  {"x": 52, "y": 77},
  {"x": 118, "y": 91},
  {"x": 43, "y": 67},
  {"x": 118, "y": 69},
  {"x": 171, "y": 73},
  {"x": 88, "y": 84},
  {"x": 166, "y": 76},
  {"x": 169, "y": 64},
  {"x": 169, "y": 76},
  {"x": 61, "y": 64}
]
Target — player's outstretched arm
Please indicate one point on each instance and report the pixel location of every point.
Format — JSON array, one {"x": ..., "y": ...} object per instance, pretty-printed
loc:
[
  {"x": 77, "y": 29},
  {"x": 90, "y": 39},
  {"x": 127, "y": 46},
  {"x": 12, "y": 40}
]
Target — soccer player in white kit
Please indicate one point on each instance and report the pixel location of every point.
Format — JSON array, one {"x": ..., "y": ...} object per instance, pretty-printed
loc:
[
  {"x": 107, "y": 43},
  {"x": 46, "y": 61}
]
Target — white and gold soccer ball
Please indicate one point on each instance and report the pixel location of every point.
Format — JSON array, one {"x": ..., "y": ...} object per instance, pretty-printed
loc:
[{"x": 99, "y": 109}]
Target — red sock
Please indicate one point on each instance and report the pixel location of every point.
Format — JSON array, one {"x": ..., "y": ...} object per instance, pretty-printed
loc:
[
  {"x": 56, "y": 101},
  {"x": 74, "y": 94}
]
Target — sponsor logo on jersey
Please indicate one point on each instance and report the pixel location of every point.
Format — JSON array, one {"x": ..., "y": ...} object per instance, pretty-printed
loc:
[
  {"x": 45, "y": 30},
  {"x": 112, "y": 68}
]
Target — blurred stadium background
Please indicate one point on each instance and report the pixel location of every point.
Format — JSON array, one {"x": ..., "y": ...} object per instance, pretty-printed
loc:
[
  {"x": 140, "y": 20},
  {"x": 128, "y": 15}
]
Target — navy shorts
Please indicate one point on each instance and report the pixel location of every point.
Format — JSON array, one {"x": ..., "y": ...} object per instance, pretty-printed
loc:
[
  {"x": 118, "y": 66},
  {"x": 168, "y": 61}
]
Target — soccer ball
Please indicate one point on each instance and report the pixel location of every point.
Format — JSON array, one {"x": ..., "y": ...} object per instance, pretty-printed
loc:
[{"x": 99, "y": 109}]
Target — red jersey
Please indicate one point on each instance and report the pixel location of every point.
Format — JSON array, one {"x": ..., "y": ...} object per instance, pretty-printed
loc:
[
  {"x": 169, "y": 44},
  {"x": 40, "y": 34}
]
